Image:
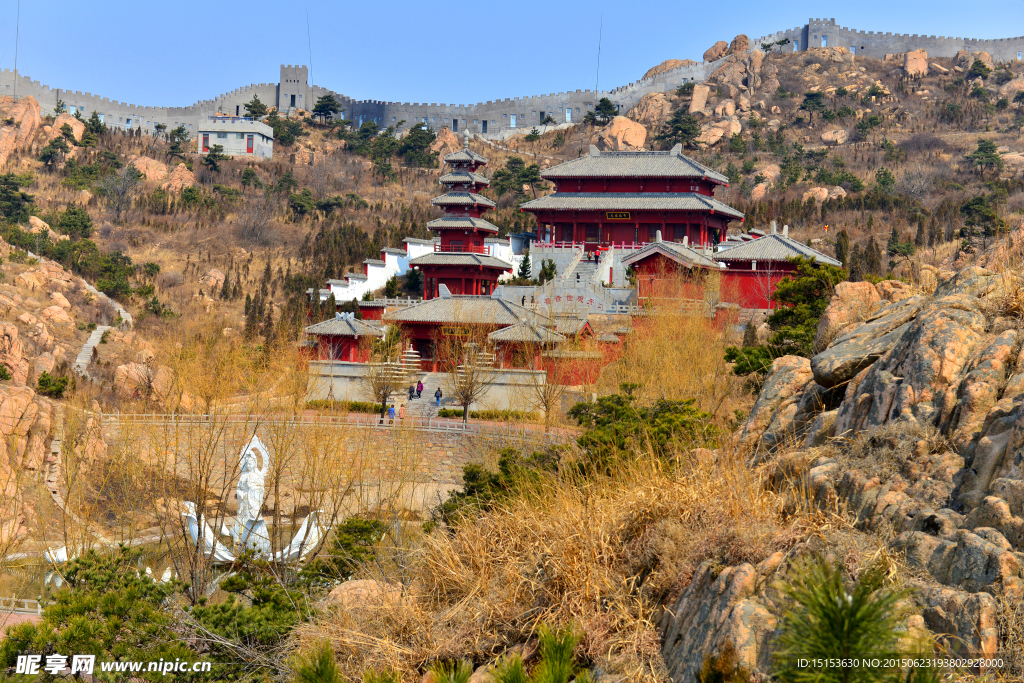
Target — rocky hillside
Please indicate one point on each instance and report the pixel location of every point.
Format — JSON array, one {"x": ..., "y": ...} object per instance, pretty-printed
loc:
[{"x": 907, "y": 426}]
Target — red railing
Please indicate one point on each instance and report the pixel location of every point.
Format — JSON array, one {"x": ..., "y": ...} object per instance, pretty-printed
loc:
[{"x": 462, "y": 248}]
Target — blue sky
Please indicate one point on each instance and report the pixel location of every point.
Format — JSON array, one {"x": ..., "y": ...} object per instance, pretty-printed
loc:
[{"x": 172, "y": 54}]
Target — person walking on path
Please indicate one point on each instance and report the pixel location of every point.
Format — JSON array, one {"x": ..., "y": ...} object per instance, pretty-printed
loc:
[
  {"x": 401, "y": 413},
  {"x": 391, "y": 414},
  {"x": 437, "y": 395},
  {"x": 419, "y": 388},
  {"x": 412, "y": 391}
]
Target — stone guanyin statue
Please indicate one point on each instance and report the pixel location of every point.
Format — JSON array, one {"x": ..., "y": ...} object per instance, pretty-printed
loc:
[
  {"x": 250, "y": 531},
  {"x": 251, "y": 490}
]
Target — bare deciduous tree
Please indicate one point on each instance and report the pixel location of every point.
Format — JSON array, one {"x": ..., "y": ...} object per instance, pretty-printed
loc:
[
  {"x": 258, "y": 208},
  {"x": 320, "y": 176},
  {"x": 469, "y": 367},
  {"x": 385, "y": 374},
  {"x": 121, "y": 189}
]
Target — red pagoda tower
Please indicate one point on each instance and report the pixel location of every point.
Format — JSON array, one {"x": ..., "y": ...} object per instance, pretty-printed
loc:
[{"x": 461, "y": 262}]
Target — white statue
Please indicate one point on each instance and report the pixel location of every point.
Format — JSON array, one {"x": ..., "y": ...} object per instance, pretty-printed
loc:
[
  {"x": 250, "y": 530},
  {"x": 251, "y": 490}
]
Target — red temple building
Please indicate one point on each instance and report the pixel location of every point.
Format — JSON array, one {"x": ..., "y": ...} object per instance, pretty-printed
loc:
[
  {"x": 343, "y": 338},
  {"x": 462, "y": 261},
  {"x": 670, "y": 270},
  {"x": 622, "y": 199},
  {"x": 754, "y": 268}
]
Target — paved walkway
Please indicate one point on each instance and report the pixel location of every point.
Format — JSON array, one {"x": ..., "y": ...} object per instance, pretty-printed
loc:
[{"x": 85, "y": 355}]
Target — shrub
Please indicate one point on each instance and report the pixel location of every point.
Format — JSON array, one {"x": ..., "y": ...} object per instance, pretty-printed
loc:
[
  {"x": 51, "y": 386},
  {"x": 353, "y": 545},
  {"x": 5, "y": 373},
  {"x": 347, "y": 406},
  {"x": 613, "y": 424},
  {"x": 830, "y": 620},
  {"x": 498, "y": 415},
  {"x": 978, "y": 70},
  {"x": 318, "y": 667}
]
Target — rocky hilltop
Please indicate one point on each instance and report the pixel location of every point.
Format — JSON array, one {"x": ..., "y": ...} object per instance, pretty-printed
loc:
[{"x": 909, "y": 424}]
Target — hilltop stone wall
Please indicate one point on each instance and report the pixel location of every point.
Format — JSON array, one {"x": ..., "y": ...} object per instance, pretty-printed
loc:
[{"x": 292, "y": 91}]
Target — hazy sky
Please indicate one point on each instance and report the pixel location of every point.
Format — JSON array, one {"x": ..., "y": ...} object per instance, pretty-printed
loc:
[{"x": 173, "y": 54}]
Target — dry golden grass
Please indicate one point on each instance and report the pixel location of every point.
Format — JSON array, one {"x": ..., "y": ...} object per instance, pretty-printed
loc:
[
  {"x": 678, "y": 356},
  {"x": 600, "y": 553}
]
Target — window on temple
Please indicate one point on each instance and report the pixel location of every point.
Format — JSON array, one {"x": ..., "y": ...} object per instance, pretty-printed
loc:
[
  {"x": 678, "y": 232},
  {"x": 593, "y": 233},
  {"x": 652, "y": 231}
]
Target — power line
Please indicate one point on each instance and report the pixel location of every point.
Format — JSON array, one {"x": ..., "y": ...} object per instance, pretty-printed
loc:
[{"x": 600, "y": 30}]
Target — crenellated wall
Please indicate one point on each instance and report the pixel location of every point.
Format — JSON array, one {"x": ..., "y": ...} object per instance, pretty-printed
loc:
[
  {"x": 293, "y": 89},
  {"x": 826, "y": 33}
]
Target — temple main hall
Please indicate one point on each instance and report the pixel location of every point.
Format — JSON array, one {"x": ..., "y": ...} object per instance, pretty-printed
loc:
[{"x": 624, "y": 199}]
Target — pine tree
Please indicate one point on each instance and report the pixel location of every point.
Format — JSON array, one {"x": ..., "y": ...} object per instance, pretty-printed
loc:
[
  {"x": 934, "y": 234},
  {"x": 524, "y": 267},
  {"x": 843, "y": 247},
  {"x": 248, "y": 304},
  {"x": 922, "y": 235},
  {"x": 894, "y": 241},
  {"x": 873, "y": 258},
  {"x": 856, "y": 264}
]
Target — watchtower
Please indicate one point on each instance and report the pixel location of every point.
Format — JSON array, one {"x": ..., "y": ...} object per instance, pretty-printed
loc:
[{"x": 293, "y": 90}]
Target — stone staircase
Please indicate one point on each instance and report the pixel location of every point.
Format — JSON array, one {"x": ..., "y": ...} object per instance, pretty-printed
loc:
[
  {"x": 425, "y": 407},
  {"x": 85, "y": 355},
  {"x": 585, "y": 269}
]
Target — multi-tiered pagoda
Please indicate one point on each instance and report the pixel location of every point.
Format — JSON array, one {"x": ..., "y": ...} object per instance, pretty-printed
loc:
[{"x": 461, "y": 261}]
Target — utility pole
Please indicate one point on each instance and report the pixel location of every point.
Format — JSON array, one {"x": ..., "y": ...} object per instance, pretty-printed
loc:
[{"x": 17, "y": 28}]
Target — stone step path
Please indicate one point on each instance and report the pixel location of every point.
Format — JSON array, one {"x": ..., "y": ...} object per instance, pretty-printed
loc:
[
  {"x": 425, "y": 407},
  {"x": 85, "y": 355}
]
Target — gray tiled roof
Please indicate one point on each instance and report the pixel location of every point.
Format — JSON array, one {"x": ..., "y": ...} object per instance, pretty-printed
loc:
[
  {"x": 417, "y": 240},
  {"x": 631, "y": 201},
  {"x": 526, "y": 332},
  {"x": 482, "y": 310},
  {"x": 774, "y": 248},
  {"x": 671, "y": 164},
  {"x": 461, "y": 198},
  {"x": 356, "y": 276},
  {"x": 344, "y": 327},
  {"x": 609, "y": 338},
  {"x": 458, "y": 258},
  {"x": 673, "y": 250},
  {"x": 393, "y": 250},
  {"x": 374, "y": 262},
  {"x": 572, "y": 326},
  {"x": 461, "y": 223},
  {"x": 460, "y": 176},
  {"x": 463, "y": 155}
]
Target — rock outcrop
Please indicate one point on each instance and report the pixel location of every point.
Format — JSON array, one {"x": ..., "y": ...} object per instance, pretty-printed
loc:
[
  {"x": 835, "y": 137},
  {"x": 668, "y": 65},
  {"x": 155, "y": 171},
  {"x": 922, "y": 397},
  {"x": 77, "y": 127},
  {"x": 17, "y": 136},
  {"x": 716, "y": 51},
  {"x": 445, "y": 142},
  {"x": 740, "y": 73},
  {"x": 622, "y": 135},
  {"x": 739, "y": 45},
  {"x": 180, "y": 178},
  {"x": 915, "y": 63},
  {"x": 652, "y": 110},
  {"x": 699, "y": 98}
]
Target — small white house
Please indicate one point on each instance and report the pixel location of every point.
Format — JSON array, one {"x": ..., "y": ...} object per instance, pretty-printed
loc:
[{"x": 240, "y": 136}]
